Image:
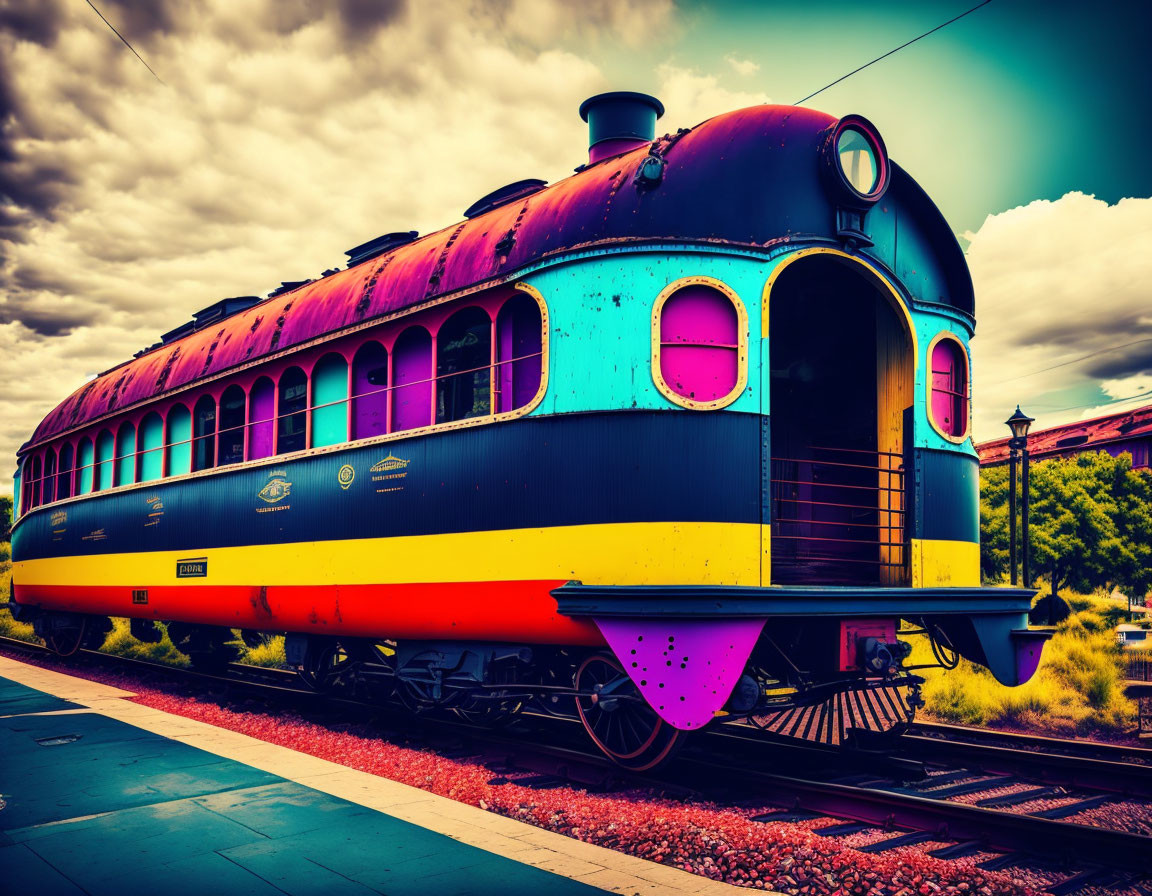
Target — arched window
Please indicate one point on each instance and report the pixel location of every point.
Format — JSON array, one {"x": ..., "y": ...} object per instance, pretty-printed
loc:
[
  {"x": 84, "y": 469},
  {"x": 126, "y": 454},
  {"x": 150, "y": 443},
  {"x": 464, "y": 366},
  {"x": 105, "y": 448},
  {"x": 518, "y": 338},
  {"x": 699, "y": 345},
  {"x": 370, "y": 391},
  {"x": 49, "y": 494},
  {"x": 33, "y": 485},
  {"x": 261, "y": 425},
  {"x": 949, "y": 390},
  {"x": 330, "y": 401},
  {"x": 204, "y": 433},
  {"x": 64, "y": 473},
  {"x": 232, "y": 413},
  {"x": 412, "y": 380},
  {"x": 291, "y": 416},
  {"x": 179, "y": 441}
]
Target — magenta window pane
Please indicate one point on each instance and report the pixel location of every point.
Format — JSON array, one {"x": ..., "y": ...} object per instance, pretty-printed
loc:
[
  {"x": 698, "y": 314},
  {"x": 412, "y": 380},
  {"x": 949, "y": 388},
  {"x": 699, "y": 335},
  {"x": 519, "y": 351},
  {"x": 261, "y": 408},
  {"x": 370, "y": 391}
]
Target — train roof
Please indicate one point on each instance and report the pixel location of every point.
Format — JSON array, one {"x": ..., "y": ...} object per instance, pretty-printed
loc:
[{"x": 745, "y": 178}]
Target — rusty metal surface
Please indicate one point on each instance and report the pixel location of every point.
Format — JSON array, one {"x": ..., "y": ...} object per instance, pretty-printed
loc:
[{"x": 748, "y": 177}]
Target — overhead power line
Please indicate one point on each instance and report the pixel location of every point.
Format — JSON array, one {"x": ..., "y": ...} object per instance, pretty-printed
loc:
[
  {"x": 1102, "y": 351},
  {"x": 125, "y": 42},
  {"x": 890, "y": 52}
]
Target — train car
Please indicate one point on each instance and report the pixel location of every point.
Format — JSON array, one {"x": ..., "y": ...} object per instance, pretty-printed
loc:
[{"x": 681, "y": 437}]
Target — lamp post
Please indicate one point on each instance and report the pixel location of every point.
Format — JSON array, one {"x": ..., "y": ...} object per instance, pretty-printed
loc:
[{"x": 1018, "y": 423}]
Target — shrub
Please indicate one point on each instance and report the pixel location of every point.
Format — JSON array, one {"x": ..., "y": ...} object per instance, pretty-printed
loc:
[{"x": 1078, "y": 690}]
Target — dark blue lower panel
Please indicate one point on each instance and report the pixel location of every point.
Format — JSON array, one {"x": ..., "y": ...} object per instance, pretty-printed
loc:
[
  {"x": 946, "y": 500},
  {"x": 533, "y": 472}
]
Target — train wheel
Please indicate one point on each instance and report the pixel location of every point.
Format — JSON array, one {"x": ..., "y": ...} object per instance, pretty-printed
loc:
[
  {"x": 325, "y": 662},
  {"x": 66, "y": 641},
  {"x": 619, "y": 720},
  {"x": 860, "y": 716}
]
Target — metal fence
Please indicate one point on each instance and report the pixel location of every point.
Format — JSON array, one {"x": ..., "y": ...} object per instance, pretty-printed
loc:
[{"x": 838, "y": 518}]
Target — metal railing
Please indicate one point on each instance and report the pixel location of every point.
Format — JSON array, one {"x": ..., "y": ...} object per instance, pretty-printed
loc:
[{"x": 838, "y": 518}]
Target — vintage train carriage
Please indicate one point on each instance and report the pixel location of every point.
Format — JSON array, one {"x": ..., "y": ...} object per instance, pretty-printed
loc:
[{"x": 704, "y": 403}]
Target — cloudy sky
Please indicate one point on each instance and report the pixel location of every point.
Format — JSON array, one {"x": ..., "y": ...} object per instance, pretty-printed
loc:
[{"x": 275, "y": 134}]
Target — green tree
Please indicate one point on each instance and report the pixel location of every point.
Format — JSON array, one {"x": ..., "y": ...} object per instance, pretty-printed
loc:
[
  {"x": 5, "y": 518},
  {"x": 1091, "y": 522}
]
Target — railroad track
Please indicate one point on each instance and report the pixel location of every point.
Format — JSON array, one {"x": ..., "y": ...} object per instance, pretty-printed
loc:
[{"x": 910, "y": 791}]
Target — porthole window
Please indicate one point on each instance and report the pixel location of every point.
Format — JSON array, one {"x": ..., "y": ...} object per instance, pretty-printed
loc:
[
  {"x": 699, "y": 344},
  {"x": 857, "y": 160},
  {"x": 948, "y": 389}
]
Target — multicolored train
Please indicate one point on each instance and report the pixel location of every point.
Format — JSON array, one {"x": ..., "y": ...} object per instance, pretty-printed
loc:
[{"x": 684, "y": 436}]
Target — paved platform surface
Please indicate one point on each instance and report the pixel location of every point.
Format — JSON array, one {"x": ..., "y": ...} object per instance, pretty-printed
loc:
[{"x": 100, "y": 795}]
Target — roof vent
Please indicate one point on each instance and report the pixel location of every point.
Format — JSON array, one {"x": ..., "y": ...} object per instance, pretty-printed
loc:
[
  {"x": 504, "y": 195},
  {"x": 618, "y": 122},
  {"x": 287, "y": 286},
  {"x": 217, "y": 311},
  {"x": 379, "y": 246}
]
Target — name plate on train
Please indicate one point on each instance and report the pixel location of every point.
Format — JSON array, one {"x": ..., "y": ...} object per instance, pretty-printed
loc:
[{"x": 192, "y": 568}]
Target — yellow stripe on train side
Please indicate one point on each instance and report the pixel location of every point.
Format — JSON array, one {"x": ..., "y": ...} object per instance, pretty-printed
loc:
[
  {"x": 939, "y": 564},
  {"x": 607, "y": 554}
]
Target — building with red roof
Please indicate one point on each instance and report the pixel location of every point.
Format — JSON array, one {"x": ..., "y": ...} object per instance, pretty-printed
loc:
[{"x": 1129, "y": 431}]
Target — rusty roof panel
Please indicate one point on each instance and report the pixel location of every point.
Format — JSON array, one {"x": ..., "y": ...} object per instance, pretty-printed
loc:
[{"x": 746, "y": 177}]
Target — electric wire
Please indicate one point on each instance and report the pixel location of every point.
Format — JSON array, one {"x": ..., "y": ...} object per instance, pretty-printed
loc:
[
  {"x": 125, "y": 42},
  {"x": 1102, "y": 351},
  {"x": 890, "y": 52}
]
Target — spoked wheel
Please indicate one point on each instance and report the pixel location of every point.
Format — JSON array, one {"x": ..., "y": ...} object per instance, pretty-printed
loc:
[
  {"x": 66, "y": 641},
  {"x": 324, "y": 664},
  {"x": 854, "y": 717},
  {"x": 618, "y": 719}
]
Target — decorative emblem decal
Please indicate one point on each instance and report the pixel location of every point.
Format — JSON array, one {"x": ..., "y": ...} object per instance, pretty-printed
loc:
[
  {"x": 192, "y": 568},
  {"x": 275, "y": 490},
  {"x": 390, "y": 468},
  {"x": 59, "y": 518},
  {"x": 389, "y": 464},
  {"x": 345, "y": 476},
  {"x": 155, "y": 510}
]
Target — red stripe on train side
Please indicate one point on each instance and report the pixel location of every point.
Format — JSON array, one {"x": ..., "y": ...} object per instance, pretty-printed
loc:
[{"x": 520, "y": 611}]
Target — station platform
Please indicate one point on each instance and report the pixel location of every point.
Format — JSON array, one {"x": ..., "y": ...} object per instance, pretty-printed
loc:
[{"x": 100, "y": 795}]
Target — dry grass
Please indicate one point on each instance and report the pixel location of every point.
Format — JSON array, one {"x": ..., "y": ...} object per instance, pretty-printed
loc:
[{"x": 1078, "y": 690}]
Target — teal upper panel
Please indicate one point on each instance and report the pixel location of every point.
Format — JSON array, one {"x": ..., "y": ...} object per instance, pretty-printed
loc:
[{"x": 600, "y": 312}]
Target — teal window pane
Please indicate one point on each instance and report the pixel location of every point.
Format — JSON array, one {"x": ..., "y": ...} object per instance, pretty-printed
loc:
[
  {"x": 84, "y": 463},
  {"x": 179, "y": 440},
  {"x": 151, "y": 448},
  {"x": 330, "y": 401}
]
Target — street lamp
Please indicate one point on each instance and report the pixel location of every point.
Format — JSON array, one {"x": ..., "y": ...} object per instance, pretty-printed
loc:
[{"x": 1018, "y": 423}]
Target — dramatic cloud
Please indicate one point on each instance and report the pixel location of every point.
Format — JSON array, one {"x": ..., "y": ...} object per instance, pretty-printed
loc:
[
  {"x": 284, "y": 132},
  {"x": 742, "y": 66},
  {"x": 1064, "y": 310}
]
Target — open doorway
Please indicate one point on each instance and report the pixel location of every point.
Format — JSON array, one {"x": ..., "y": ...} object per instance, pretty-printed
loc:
[{"x": 841, "y": 395}]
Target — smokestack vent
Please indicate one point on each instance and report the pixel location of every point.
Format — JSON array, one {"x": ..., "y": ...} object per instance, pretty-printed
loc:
[{"x": 618, "y": 122}]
